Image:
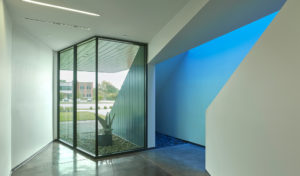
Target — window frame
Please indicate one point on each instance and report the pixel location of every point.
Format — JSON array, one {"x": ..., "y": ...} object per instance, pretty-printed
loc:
[{"x": 75, "y": 46}]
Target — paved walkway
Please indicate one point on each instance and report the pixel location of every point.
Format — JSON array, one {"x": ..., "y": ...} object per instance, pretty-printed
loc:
[{"x": 82, "y": 126}]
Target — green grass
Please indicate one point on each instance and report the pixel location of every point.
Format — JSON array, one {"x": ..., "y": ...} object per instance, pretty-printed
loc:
[{"x": 68, "y": 116}]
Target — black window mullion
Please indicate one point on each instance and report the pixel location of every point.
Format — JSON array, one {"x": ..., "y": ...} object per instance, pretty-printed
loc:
[
  {"x": 75, "y": 98},
  {"x": 96, "y": 100},
  {"x": 58, "y": 95}
]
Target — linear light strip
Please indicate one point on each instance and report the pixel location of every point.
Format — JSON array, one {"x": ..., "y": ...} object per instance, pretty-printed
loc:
[{"x": 60, "y": 7}]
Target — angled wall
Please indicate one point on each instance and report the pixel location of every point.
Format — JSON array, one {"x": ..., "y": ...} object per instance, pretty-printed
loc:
[
  {"x": 174, "y": 26},
  {"x": 129, "y": 107},
  {"x": 5, "y": 90},
  {"x": 188, "y": 83},
  {"x": 213, "y": 19},
  {"x": 253, "y": 124}
]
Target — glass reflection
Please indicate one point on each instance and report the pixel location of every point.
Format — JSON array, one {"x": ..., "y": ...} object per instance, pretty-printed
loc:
[
  {"x": 66, "y": 95},
  {"x": 120, "y": 81},
  {"x": 86, "y": 106},
  {"x": 121, "y": 96}
]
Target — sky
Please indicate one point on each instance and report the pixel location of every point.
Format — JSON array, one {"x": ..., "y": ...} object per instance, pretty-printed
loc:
[{"x": 116, "y": 79}]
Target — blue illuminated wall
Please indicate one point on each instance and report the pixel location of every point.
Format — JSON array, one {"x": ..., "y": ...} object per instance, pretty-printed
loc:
[{"x": 188, "y": 83}]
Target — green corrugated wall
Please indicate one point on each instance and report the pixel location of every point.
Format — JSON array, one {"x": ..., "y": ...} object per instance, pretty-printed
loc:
[{"x": 129, "y": 106}]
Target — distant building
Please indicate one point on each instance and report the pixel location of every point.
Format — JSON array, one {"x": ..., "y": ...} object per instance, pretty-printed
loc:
[
  {"x": 85, "y": 89},
  {"x": 66, "y": 88}
]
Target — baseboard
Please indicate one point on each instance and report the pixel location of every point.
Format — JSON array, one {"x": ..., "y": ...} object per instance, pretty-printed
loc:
[
  {"x": 207, "y": 172},
  {"x": 30, "y": 158},
  {"x": 150, "y": 148}
]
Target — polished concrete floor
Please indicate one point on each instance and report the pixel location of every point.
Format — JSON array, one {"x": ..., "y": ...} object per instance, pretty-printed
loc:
[{"x": 181, "y": 160}]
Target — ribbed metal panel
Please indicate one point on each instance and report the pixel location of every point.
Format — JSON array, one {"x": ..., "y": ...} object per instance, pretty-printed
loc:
[{"x": 129, "y": 105}]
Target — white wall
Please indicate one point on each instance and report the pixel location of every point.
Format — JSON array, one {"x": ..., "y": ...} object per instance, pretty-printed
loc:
[
  {"x": 253, "y": 125},
  {"x": 169, "y": 31},
  {"x": 5, "y": 90},
  {"x": 32, "y": 64}
]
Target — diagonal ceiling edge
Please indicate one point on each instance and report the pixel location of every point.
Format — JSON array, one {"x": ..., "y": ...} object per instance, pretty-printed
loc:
[{"x": 215, "y": 19}]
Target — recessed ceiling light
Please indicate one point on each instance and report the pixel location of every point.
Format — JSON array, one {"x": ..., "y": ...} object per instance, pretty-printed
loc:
[{"x": 61, "y": 7}]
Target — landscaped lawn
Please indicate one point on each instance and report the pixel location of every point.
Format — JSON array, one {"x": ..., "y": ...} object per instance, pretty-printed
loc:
[
  {"x": 68, "y": 116},
  {"x": 86, "y": 134}
]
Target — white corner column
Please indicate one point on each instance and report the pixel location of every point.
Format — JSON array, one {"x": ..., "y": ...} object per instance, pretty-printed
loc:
[{"x": 151, "y": 105}]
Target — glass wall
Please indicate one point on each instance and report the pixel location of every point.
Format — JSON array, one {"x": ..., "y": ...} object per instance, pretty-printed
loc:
[
  {"x": 120, "y": 97},
  {"x": 86, "y": 106},
  {"x": 110, "y": 85},
  {"x": 66, "y": 66}
]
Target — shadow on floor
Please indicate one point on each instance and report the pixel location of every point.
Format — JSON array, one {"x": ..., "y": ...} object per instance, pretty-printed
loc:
[{"x": 162, "y": 140}]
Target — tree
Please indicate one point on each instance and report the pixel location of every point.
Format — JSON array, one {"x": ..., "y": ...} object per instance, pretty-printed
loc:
[
  {"x": 62, "y": 96},
  {"x": 79, "y": 95},
  {"x": 107, "y": 91}
]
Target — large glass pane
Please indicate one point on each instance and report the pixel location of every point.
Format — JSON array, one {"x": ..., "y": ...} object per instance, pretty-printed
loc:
[
  {"x": 86, "y": 106},
  {"x": 121, "y": 97},
  {"x": 66, "y": 95}
]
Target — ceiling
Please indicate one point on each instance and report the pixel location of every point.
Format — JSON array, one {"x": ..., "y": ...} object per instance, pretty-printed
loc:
[
  {"x": 136, "y": 20},
  {"x": 113, "y": 56},
  {"x": 140, "y": 21}
]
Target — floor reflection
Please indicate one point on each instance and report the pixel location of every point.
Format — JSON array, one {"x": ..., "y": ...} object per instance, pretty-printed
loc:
[{"x": 57, "y": 159}]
